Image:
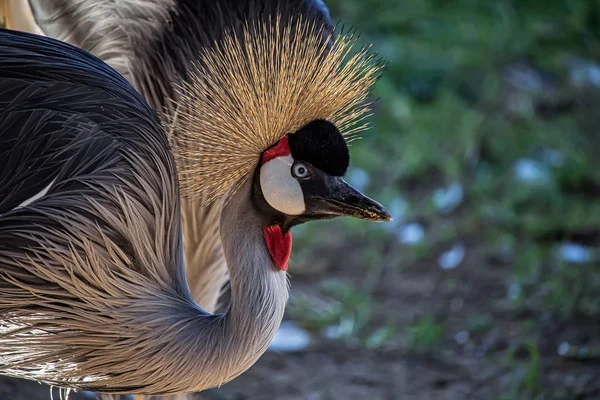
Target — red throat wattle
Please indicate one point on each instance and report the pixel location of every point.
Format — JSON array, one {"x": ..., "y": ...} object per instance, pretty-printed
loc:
[
  {"x": 282, "y": 148},
  {"x": 279, "y": 245}
]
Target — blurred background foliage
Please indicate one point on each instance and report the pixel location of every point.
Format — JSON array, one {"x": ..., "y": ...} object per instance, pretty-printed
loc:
[{"x": 485, "y": 149}]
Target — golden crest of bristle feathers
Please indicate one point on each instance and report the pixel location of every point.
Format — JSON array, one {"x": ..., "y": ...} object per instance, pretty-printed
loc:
[{"x": 250, "y": 90}]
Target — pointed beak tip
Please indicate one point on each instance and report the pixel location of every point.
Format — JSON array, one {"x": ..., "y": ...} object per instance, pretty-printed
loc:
[
  {"x": 386, "y": 217},
  {"x": 342, "y": 199},
  {"x": 374, "y": 214}
]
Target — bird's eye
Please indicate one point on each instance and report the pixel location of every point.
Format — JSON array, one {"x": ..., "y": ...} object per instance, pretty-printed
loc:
[{"x": 300, "y": 171}]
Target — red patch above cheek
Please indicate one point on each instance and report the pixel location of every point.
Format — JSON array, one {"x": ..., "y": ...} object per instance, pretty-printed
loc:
[
  {"x": 282, "y": 148},
  {"x": 279, "y": 245}
]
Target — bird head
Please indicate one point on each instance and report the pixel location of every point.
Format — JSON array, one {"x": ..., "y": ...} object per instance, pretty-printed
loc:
[
  {"x": 274, "y": 105},
  {"x": 300, "y": 179}
]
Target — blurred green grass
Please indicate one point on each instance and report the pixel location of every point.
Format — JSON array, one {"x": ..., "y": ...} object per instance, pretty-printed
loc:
[{"x": 498, "y": 98}]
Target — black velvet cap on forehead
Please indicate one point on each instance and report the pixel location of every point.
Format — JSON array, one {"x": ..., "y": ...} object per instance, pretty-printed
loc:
[{"x": 321, "y": 144}]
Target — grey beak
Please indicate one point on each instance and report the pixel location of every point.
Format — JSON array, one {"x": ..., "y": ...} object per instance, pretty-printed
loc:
[{"x": 343, "y": 200}]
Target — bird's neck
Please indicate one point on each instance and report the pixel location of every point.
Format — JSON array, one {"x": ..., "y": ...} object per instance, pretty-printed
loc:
[{"x": 259, "y": 291}]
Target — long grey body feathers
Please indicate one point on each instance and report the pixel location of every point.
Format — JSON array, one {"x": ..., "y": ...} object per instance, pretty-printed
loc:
[{"x": 94, "y": 294}]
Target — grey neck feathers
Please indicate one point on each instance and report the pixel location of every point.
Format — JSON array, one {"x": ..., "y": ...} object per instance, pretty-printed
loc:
[
  {"x": 229, "y": 344},
  {"x": 183, "y": 349}
]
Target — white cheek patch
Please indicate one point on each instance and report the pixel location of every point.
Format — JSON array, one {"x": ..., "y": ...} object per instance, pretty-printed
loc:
[{"x": 281, "y": 190}]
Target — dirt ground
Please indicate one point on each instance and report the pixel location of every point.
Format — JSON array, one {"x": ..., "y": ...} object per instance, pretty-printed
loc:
[{"x": 476, "y": 369}]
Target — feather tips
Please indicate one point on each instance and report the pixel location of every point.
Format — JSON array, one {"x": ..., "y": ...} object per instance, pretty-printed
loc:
[{"x": 251, "y": 89}]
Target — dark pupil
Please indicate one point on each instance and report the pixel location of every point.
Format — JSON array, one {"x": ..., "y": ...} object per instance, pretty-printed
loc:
[{"x": 301, "y": 170}]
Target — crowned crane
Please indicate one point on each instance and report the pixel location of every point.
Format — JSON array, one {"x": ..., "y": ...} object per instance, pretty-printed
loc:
[
  {"x": 155, "y": 44},
  {"x": 93, "y": 288}
]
